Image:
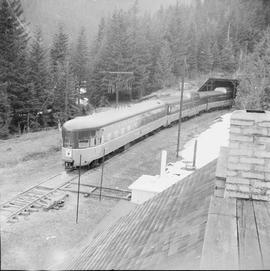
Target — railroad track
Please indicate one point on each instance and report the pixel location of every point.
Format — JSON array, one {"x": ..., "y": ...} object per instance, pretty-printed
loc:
[
  {"x": 50, "y": 193},
  {"x": 43, "y": 195},
  {"x": 97, "y": 191}
]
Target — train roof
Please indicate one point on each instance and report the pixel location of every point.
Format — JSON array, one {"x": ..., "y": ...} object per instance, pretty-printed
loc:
[
  {"x": 101, "y": 119},
  {"x": 174, "y": 99}
]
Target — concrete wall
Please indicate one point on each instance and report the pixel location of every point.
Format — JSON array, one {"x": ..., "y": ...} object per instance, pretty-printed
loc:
[
  {"x": 140, "y": 196},
  {"x": 248, "y": 167}
]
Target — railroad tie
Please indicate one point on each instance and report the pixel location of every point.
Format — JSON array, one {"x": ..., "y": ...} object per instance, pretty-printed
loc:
[
  {"x": 24, "y": 213},
  {"x": 56, "y": 202},
  {"x": 13, "y": 219},
  {"x": 33, "y": 209},
  {"x": 37, "y": 205},
  {"x": 44, "y": 201}
]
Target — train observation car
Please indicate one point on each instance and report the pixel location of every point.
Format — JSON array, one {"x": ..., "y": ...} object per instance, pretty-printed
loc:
[
  {"x": 98, "y": 134},
  {"x": 91, "y": 136}
]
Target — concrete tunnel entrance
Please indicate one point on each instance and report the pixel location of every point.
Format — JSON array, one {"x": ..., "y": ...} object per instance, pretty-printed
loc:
[{"x": 213, "y": 83}]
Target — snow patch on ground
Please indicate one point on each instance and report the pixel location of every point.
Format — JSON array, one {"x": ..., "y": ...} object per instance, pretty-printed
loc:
[{"x": 208, "y": 147}]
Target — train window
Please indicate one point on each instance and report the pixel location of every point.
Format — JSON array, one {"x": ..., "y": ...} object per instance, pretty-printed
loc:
[
  {"x": 83, "y": 139},
  {"x": 92, "y": 143},
  {"x": 93, "y": 133},
  {"x": 67, "y": 142},
  {"x": 67, "y": 139},
  {"x": 84, "y": 134},
  {"x": 83, "y": 143},
  {"x": 195, "y": 95}
]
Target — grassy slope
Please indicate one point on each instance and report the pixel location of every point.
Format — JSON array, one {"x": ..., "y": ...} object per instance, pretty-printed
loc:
[
  {"x": 27, "y": 159},
  {"x": 28, "y": 146}
]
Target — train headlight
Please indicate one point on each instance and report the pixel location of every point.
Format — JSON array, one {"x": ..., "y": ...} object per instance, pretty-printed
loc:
[{"x": 68, "y": 153}]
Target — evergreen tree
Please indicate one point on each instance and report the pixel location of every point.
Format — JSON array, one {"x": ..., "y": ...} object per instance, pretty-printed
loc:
[
  {"x": 216, "y": 57},
  {"x": 265, "y": 99},
  {"x": 80, "y": 64},
  {"x": 13, "y": 66},
  {"x": 38, "y": 76},
  {"x": 134, "y": 40},
  {"x": 165, "y": 65},
  {"x": 6, "y": 40},
  {"x": 4, "y": 111},
  {"x": 204, "y": 57},
  {"x": 80, "y": 59},
  {"x": 227, "y": 59},
  {"x": 253, "y": 91},
  {"x": 192, "y": 51},
  {"x": 142, "y": 60},
  {"x": 65, "y": 95},
  {"x": 59, "y": 50},
  {"x": 64, "y": 87},
  {"x": 177, "y": 37},
  {"x": 98, "y": 44},
  {"x": 94, "y": 94},
  {"x": 209, "y": 34}
]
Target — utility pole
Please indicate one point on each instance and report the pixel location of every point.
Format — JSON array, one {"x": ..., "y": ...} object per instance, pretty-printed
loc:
[
  {"x": 78, "y": 194},
  {"x": 118, "y": 73},
  {"x": 181, "y": 107},
  {"x": 102, "y": 173}
]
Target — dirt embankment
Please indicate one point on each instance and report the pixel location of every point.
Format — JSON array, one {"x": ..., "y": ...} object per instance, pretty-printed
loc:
[{"x": 28, "y": 158}]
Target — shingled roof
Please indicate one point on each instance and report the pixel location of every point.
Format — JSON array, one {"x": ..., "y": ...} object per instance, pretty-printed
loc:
[{"x": 166, "y": 232}]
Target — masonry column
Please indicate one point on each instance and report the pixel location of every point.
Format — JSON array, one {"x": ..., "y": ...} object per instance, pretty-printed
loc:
[{"x": 248, "y": 167}]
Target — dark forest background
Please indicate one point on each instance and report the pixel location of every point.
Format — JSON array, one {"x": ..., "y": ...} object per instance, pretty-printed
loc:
[{"x": 40, "y": 81}]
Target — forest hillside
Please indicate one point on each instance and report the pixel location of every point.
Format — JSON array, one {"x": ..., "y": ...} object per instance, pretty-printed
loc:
[
  {"x": 76, "y": 14},
  {"x": 43, "y": 84}
]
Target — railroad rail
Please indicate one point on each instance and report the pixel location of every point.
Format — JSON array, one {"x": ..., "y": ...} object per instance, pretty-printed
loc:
[
  {"x": 37, "y": 196},
  {"x": 97, "y": 191},
  {"x": 45, "y": 195}
]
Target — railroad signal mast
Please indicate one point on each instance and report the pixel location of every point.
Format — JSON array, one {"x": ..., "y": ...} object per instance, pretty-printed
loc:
[{"x": 114, "y": 87}]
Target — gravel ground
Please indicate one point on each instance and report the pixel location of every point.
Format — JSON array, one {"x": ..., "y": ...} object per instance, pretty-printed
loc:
[
  {"x": 22, "y": 156},
  {"x": 45, "y": 239}
]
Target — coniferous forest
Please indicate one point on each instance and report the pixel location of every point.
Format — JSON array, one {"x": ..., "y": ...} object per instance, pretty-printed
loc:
[{"x": 40, "y": 85}]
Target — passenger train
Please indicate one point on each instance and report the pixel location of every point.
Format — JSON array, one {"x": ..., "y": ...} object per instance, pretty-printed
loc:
[{"x": 99, "y": 134}]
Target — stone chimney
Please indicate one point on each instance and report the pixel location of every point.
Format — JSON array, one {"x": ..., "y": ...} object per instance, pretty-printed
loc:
[{"x": 248, "y": 165}]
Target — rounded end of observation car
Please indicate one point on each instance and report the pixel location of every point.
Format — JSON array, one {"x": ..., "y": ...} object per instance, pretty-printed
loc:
[
  {"x": 69, "y": 165},
  {"x": 77, "y": 122},
  {"x": 67, "y": 157}
]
